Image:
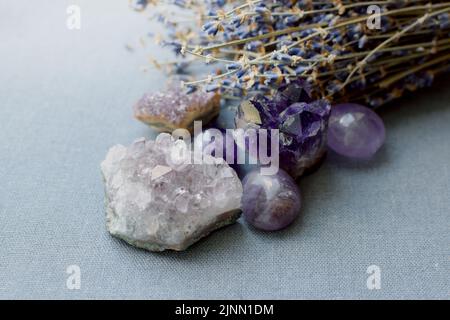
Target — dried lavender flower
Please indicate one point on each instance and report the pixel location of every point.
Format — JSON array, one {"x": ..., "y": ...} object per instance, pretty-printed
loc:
[{"x": 262, "y": 45}]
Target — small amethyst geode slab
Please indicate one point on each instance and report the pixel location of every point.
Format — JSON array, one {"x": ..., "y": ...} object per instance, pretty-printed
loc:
[
  {"x": 174, "y": 108},
  {"x": 302, "y": 123}
]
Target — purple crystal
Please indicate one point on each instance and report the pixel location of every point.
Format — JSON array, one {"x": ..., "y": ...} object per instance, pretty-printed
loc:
[
  {"x": 302, "y": 123},
  {"x": 270, "y": 203},
  {"x": 296, "y": 91},
  {"x": 174, "y": 108},
  {"x": 219, "y": 144},
  {"x": 269, "y": 109},
  {"x": 355, "y": 131}
]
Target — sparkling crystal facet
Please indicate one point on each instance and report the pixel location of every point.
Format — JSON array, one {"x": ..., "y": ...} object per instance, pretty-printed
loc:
[
  {"x": 174, "y": 108},
  {"x": 302, "y": 123},
  {"x": 355, "y": 131},
  {"x": 270, "y": 202}
]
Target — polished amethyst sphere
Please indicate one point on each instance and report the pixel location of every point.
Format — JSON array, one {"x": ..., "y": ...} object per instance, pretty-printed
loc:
[
  {"x": 355, "y": 131},
  {"x": 302, "y": 125},
  {"x": 272, "y": 202}
]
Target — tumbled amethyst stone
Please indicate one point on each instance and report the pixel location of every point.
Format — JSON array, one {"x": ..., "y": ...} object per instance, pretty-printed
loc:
[
  {"x": 272, "y": 202},
  {"x": 355, "y": 131},
  {"x": 302, "y": 123}
]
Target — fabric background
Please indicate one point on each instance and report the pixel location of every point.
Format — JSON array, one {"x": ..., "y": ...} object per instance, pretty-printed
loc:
[{"x": 66, "y": 97}]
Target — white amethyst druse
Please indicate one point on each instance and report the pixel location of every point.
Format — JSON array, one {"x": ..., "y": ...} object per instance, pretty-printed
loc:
[{"x": 155, "y": 202}]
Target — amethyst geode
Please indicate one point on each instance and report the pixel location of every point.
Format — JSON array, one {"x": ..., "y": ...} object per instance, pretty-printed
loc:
[{"x": 302, "y": 124}]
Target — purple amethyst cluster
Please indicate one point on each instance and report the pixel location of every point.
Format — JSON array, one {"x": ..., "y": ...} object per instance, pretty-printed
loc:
[{"x": 302, "y": 124}]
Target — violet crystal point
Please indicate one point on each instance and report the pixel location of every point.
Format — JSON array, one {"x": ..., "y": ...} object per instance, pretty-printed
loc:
[{"x": 302, "y": 125}]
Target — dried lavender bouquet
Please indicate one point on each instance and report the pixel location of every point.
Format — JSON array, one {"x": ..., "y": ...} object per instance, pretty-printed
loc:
[
  {"x": 358, "y": 51},
  {"x": 287, "y": 62}
]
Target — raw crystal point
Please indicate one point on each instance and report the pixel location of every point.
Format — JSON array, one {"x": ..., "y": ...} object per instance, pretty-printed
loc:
[
  {"x": 173, "y": 108},
  {"x": 303, "y": 136},
  {"x": 302, "y": 125},
  {"x": 156, "y": 204}
]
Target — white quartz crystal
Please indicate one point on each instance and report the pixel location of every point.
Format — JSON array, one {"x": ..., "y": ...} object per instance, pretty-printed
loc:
[{"x": 155, "y": 202}]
